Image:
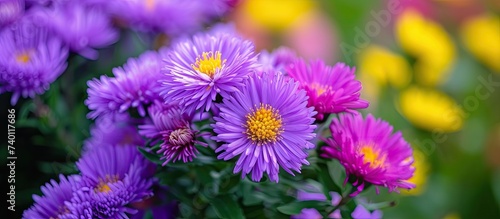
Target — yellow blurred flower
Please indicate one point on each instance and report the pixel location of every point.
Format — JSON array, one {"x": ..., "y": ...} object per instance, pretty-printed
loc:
[
  {"x": 384, "y": 66},
  {"x": 431, "y": 109},
  {"x": 481, "y": 36},
  {"x": 277, "y": 15},
  {"x": 453, "y": 215},
  {"x": 429, "y": 43},
  {"x": 420, "y": 176}
]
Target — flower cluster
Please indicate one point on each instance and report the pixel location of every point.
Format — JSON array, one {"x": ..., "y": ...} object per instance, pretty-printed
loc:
[
  {"x": 111, "y": 178},
  {"x": 208, "y": 94},
  {"x": 37, "y": 36}
]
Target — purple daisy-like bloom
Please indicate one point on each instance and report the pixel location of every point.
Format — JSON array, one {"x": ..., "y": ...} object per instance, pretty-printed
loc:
[
  {"x": 330, "y": 89},
  {"x": 82, "y": 27},
  {"x": 172, "y": 126},
  {"x": 370, "y": 152},
  {"x": 362, "y": 213},
  {"x": 277, "y": 60},
  {"x": 267, "y": 124},
  {"x": 197, "y": 70},
  {"x": 52, "y": 203},
  {"x": 173, "y": 17},
  {"x": 135, "y": 85},
  {"x": 116, "y": 129},
  {"x": 316, "y": 195},
  {"x": 113, "y": 178},
  {"x": 30, "y": 60}
]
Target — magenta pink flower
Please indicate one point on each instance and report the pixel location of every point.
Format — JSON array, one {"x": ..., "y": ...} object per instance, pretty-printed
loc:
[
  {"x": 330, "y": 89},
  {"x": 370, "y": 152}
]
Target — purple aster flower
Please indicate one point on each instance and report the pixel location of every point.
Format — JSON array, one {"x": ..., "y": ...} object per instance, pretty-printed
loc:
[
  {"x": 173, "y": 17},
  {"x": 82, "y": 27},
  {"x": 135, "y": 85},
  {"x": 10, "y": 11},
  {"x": 172, "y": 126},
  {"x": 267, "y": 124},
  {"x": 112, "y": 178},
  {"x": 361, "y": 213},
  {"x": 316, "y": 195},
  {"x": 116, "y": 129},
  {"x": 197, "y": 70},
  {"x": 52, "y": 203},
  {"x": 330, "y": 89},
  {"x": 277, "y": 60},
  {"x": 370, "y": 152},
  {"x": 29, "y": 59}
]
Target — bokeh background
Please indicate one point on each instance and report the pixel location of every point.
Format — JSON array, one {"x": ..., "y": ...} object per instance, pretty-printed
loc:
[{"x": 429, "y": 67}]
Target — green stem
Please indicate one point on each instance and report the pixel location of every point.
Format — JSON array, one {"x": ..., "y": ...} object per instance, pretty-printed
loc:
[{"x": 345, "y": 200}]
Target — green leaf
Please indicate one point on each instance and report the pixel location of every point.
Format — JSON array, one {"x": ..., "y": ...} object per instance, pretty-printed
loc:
[
  {"x": 56, "y": 167},
  {"x": 294, "y": 208},
  {"x": 256, "y": 211},
  {"x": 150, "y": 156},
  {"x": 248, "y": 194},
  {"x": 496, "y": 186},
  {"x": 326, "y": 180},
  {"x": 227, "y": 207}
]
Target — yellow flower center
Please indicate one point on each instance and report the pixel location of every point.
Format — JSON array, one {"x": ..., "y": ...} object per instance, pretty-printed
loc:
[
  {"x": 208, "y": 63},
  {"x": 23, "y": 57},
  {"x": 320, "y": 89},
  {"x": 264, "y": 124},
  {"x": 371, "y": 156},
  {"x": 103, "y": 185}
]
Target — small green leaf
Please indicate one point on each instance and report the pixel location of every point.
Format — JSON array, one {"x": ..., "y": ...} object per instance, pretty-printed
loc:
[
  {"x": 326, "y": 180},
  {"x": 150, "y": 156},
  {"x": 227, "y": 207},
  {"x": 295, "y": 208}
]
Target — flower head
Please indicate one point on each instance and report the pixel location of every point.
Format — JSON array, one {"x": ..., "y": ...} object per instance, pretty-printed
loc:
[
  {"x": 197, "y": 70},
  {"x": 370, "y": 152},
  {"x": 361, "y": 212},
  {"x": 172, "y": 17},
  {"x": 135, "y": 85},
  {"x": 429, "y": 43},
  {"x": 276, "y": 60},
  {"x": 267, "y": 124},
  {"x": 431, "y": 109},
  {"x": 315, "y": 194},
  {"x": 172, "y": 126},
  {"x": 116, "y": 129},
  {"x": 480, "y": 36},
  {"x": 30, "y": 60},
  {"x": 384, "y": 66},
  {"x": 113, "y": 178},
  {"x": 263, "y": 13},
  {"x": 52, "y": 203},
  {"x": 330, "y": 89},
  {"x": 81, "y": 27}
]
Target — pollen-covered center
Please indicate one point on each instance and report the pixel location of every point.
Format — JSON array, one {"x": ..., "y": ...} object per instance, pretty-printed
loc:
[
  {"x": 319, "y": 88},
  {"x": 208, "y": 63},
  {"x": 264, "y": 124},
  {"x": 23, "y": 57},
  {"x": 372, "y": 156},
  {"x": 103, "y": 185},
  {"x": 181, "y": 137}
]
